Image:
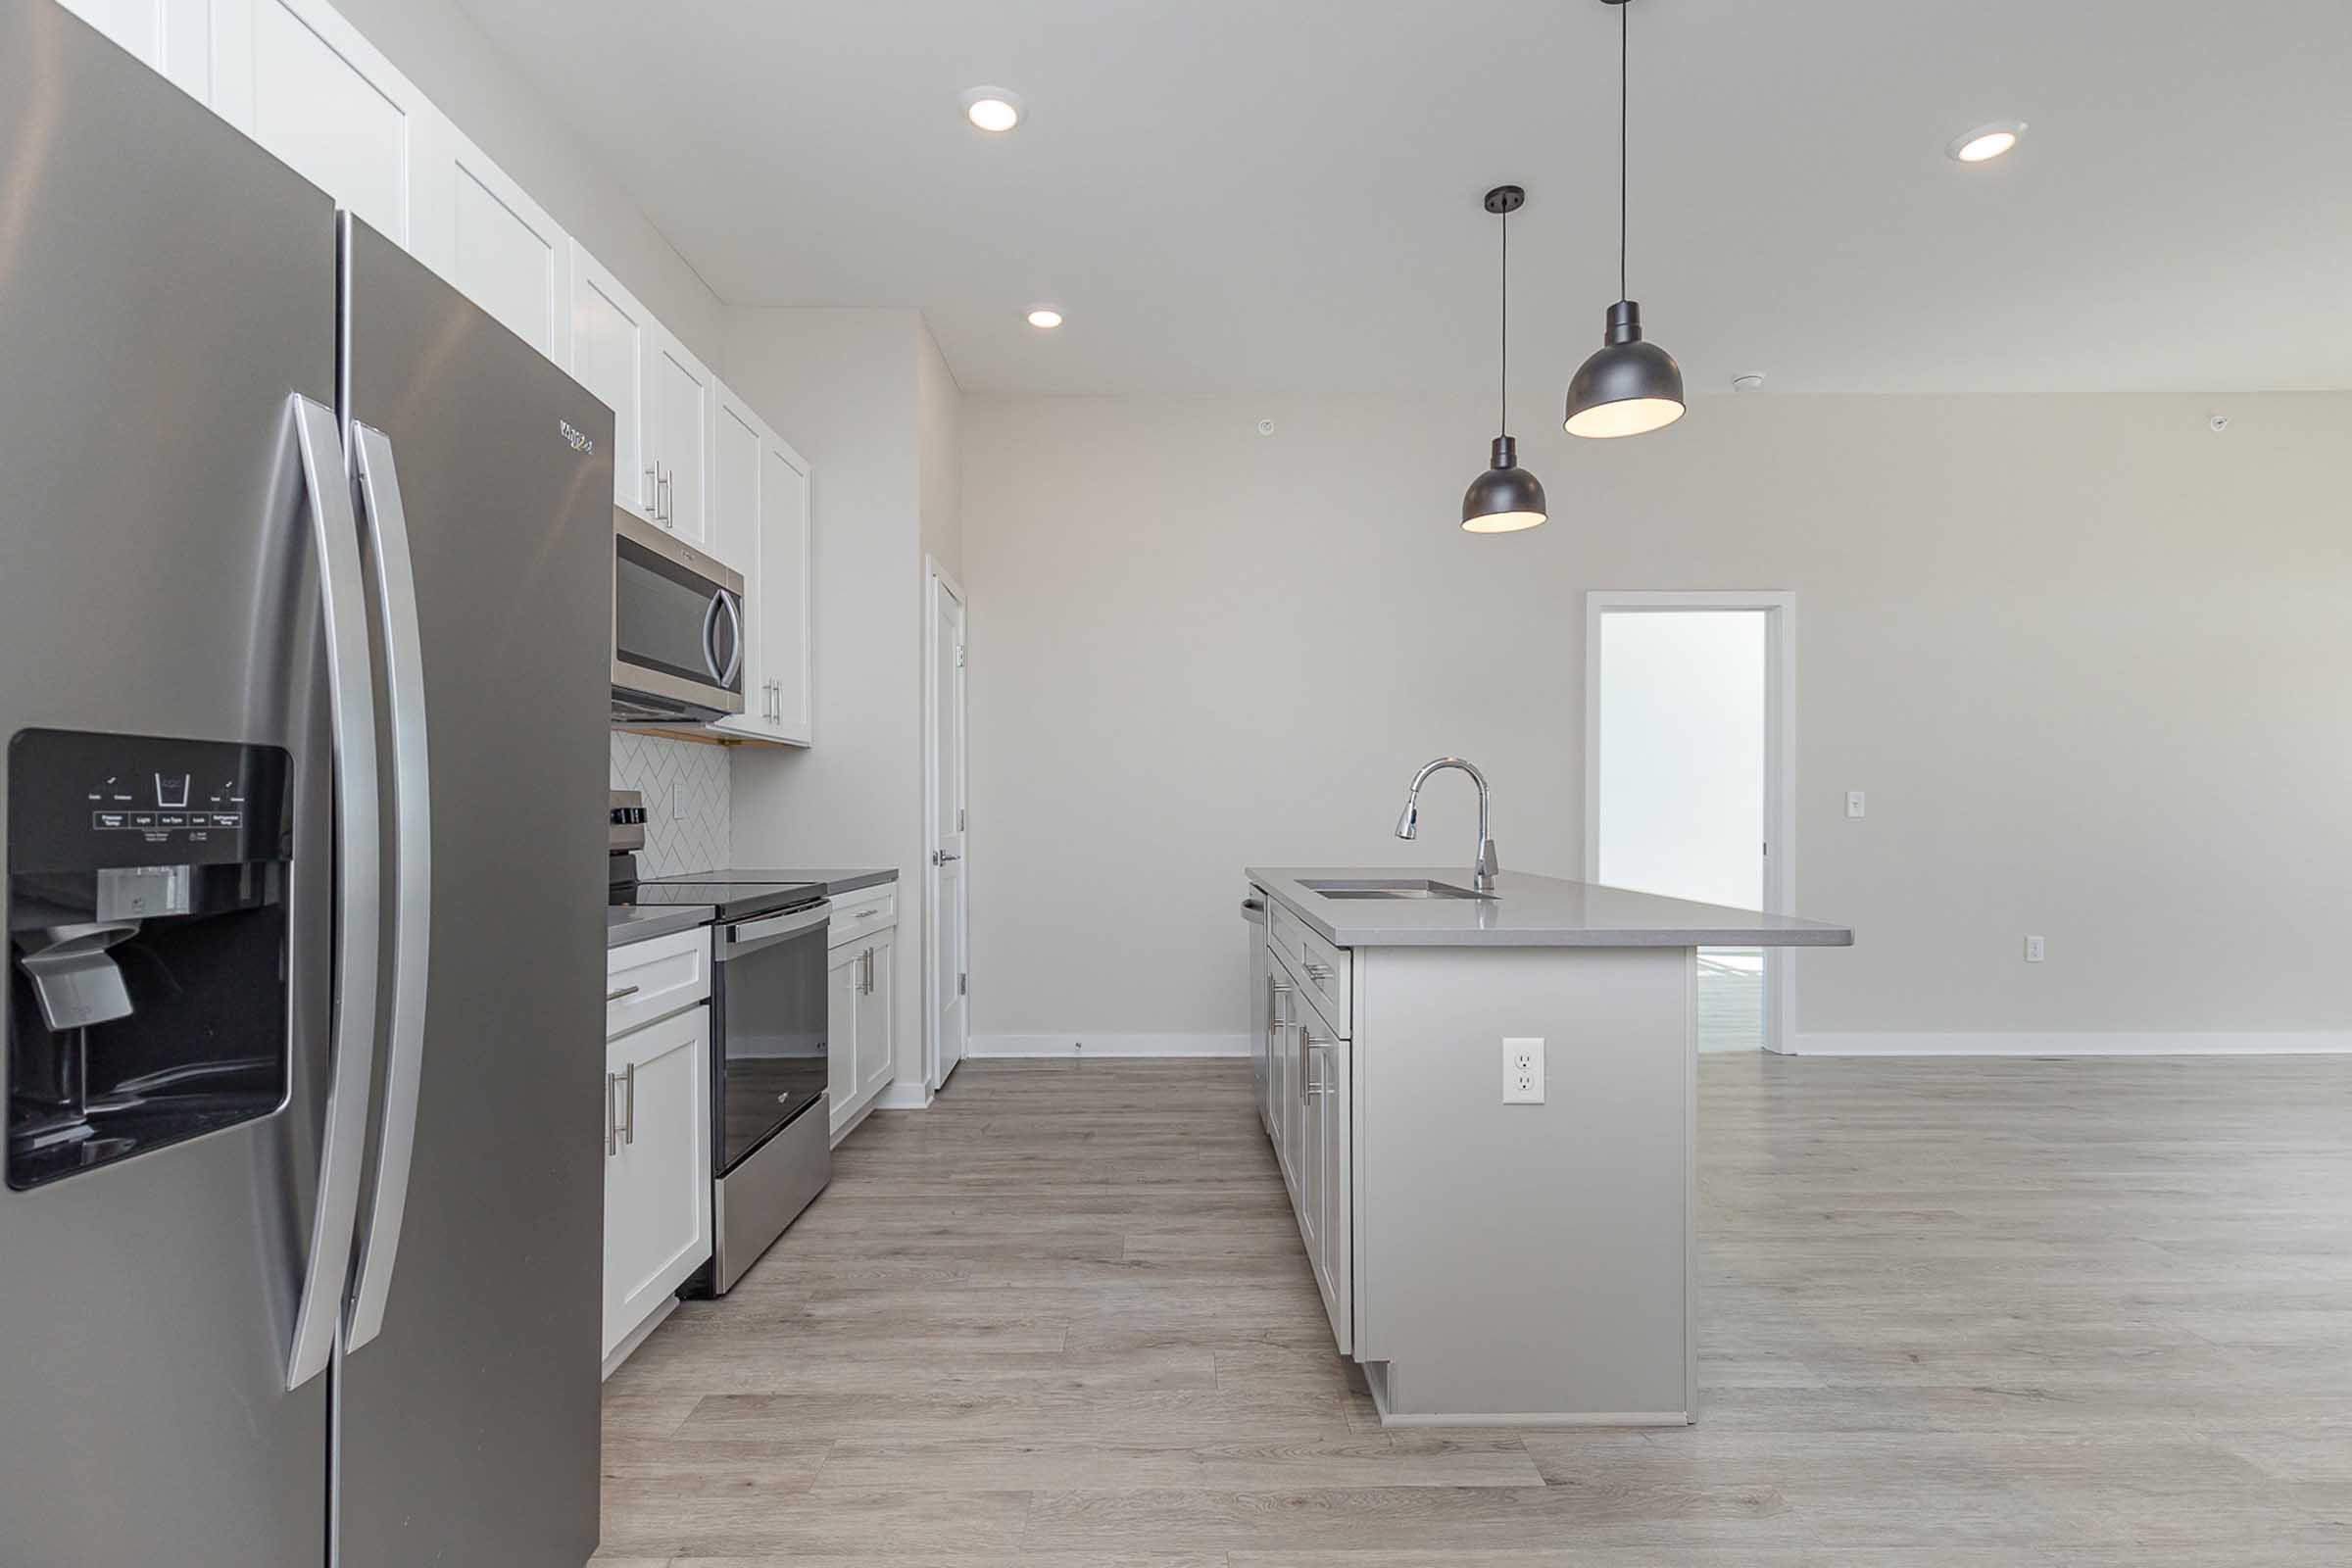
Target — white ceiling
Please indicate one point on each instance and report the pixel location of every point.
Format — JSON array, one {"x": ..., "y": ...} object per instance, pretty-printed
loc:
[{"x": 1283, "y": 195}]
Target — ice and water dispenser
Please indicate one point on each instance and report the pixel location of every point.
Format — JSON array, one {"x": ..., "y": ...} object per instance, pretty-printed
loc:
[{"x": 147, "y": 927}]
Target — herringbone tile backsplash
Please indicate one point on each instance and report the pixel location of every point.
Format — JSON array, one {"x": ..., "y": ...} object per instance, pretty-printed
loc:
[{"x": 697, "y": 775}]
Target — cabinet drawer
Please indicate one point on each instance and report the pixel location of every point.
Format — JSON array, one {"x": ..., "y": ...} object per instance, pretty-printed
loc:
[
  {"x": 648, "y": 980},
  {"x": 1328, "y": 972},
  {"x": 863, "y": 913}
]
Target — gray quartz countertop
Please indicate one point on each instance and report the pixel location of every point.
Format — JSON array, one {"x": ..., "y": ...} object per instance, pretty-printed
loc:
[
  {"x": 1528, "y": 911},
  {"x": 643, "y": 922},
  {"x": 836, "y": 880}
]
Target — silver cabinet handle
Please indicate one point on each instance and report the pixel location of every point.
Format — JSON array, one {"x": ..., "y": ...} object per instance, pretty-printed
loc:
[
  {"x": 652, "y": 490},
  {"x": 624, "y": 991},
  {"x": 1319, "y": 971},
  {"x": 611, "y": 1121},
  {"x": 387, "y": 519},
  {"x": 628, "y": 1132},
  {"x": 1319, "y": 1086},
  {"x": 351, "y": 709},
  {"x": 666, "y": 515},
  {"x": 865, "y": 980},
  {"x": 1274, "y": 992}
]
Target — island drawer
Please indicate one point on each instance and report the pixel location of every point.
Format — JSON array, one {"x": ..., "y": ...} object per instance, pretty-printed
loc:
[
  {"x": 648, "y": 980},
  {"x": 1320, "y": 972},
  {"x": 1327, "y": 969}
]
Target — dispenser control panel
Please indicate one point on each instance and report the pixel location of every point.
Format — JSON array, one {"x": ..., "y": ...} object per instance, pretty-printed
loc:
[{"x": 80, "y": 801}]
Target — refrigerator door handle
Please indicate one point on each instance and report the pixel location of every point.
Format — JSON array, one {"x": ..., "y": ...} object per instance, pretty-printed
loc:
[
  {"x": 350, "y": 707},
  {"x": 412, "y": 875}
]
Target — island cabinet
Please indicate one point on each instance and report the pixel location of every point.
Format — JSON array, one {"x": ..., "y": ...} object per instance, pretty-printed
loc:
[{"x": 1493, "y": 1256}]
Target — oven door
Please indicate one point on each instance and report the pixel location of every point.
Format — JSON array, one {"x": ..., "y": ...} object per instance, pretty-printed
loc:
[
  {"x": 769, "y": 1052},
  {"x": 677, "y": 629}
]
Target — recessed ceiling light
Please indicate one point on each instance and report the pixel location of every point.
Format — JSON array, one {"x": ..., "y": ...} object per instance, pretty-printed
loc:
[
  {"x": 1045, "y": 318},
  {"x": 1985, "y": 142},
  {"x": 994, "y": 110}
]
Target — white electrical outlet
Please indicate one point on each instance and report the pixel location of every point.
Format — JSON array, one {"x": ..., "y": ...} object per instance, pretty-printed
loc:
[
  {"x": 2034, "y": 952},
  {"x": 677, "y": 800},
  {"x": 1522, "y": 1072},
  {"x": 1855, "y": 804}
]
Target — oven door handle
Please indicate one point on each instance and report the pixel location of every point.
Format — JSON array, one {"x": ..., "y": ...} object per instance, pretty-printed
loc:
[{"x": 749, "y": 936}]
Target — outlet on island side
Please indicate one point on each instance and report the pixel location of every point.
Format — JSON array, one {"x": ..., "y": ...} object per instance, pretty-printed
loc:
[{"x": 1522, "y": 1072}]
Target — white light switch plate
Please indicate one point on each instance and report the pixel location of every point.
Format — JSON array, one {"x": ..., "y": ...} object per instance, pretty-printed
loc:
[
  {"x": 1854, "y": 803},
  {"x": 1522, "y": 1072},
  {"x": 2034, "y": 950}
]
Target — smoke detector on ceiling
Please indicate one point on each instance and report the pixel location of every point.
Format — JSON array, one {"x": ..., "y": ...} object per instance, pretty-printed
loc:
[{"x": 1748, "y": 381}]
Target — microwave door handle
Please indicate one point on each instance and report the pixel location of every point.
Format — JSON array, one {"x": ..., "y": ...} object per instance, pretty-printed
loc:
[
  {"x": 734, "y": 640},
  {"x": 351, "y": 711},
  {"x": 718, "y": 598},
  {"x": 387, "y": 525}
]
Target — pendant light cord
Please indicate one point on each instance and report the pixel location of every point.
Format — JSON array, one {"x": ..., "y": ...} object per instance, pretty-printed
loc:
[
  {"x": 1503, "y": 421},
  {"x": 1624, "y": 63}
]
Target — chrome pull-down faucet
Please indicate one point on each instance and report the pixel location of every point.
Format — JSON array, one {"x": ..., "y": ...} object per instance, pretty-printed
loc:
[{"x": 1408, "y": 824}]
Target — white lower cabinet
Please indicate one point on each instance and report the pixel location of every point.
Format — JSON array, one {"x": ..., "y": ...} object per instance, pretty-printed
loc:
[
  {"x": 877, "y": 1040},
  {"x": 1312, "y": 1076},
  {"x": 845, "y": 976},
  {"x": 656, "y": 1131},
  {"x": 860, "y": 1006}
]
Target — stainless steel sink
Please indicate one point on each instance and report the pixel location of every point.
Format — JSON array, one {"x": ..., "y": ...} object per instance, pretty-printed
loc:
[{"x": 1390, "y": 888}]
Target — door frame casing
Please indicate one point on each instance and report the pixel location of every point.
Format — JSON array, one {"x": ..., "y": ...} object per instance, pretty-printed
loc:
[
  {"x": 1780, "y": 759},
  {"x": 934, "y": 578}
]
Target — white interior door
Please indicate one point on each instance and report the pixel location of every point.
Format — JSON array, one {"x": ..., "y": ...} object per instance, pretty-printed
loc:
[
  {"x": 948, "y": 982},
  {"x": 1684, "y": 753}
]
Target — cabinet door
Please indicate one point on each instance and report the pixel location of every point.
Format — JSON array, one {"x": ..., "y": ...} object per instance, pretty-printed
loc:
[
  {"x": 784, "y": 577},
  {"x": 842, "y": 982},
  {"x": 483, "y": 232},
  {"x": 613, "y": 356},
  {"x": 737, "y": 455},
  {"x": 301, "y": 81},
  {"x": 877, "y": 1039},
  {"x": 169, "y": 35},
  {"x": 657, "y": 1179},
  {"x": 1328, "y": 1202},
  {"x": 680, "y": 405}
]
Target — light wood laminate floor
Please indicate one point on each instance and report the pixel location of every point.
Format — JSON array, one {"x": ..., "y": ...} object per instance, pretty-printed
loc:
[{"x": 2039, "y": 1313}]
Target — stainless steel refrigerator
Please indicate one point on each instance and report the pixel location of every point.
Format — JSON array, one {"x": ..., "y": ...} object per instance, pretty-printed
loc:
[{"x": 304, "y": 574}]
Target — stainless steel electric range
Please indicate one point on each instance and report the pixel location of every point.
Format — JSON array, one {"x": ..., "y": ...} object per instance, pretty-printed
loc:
[{"x": 770, "y": 1122}]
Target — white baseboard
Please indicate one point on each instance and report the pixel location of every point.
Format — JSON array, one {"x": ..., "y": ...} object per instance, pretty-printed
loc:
[
  {"x": 2023, "y": 1043},
  {"x": 901, "y": 1095},
  {"x": 1080, "y": 1045}
]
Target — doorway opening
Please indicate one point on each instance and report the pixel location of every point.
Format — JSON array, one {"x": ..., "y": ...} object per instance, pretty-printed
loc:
[{"x": 1689, "y": 723}]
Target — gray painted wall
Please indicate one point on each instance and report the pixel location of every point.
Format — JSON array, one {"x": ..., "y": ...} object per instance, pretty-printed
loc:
[{"x": 2087, "y": 656}]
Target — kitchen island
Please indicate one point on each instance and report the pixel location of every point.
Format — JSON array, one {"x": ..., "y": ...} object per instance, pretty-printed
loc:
[{"x": 1484, "y": 1105}]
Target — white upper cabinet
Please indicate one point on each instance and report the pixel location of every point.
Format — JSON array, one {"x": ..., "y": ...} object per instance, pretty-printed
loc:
[
  {"x": 678, "y": 439},
  {"x": 483, "y": 232},
  {"x": 174, "y": 36},
  {"x": 783, "y": 610},
  {"x": 299, "y": 80},
  {"x": 759, "y": 526},
  {"x": 613, "y": 356}
]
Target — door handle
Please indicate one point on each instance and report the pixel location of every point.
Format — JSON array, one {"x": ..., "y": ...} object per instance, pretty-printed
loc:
[
  {"x": 943, "y": 857},
  {"x": 624, "y": 991},
  {"x": 351, "y": 710},
  {"x": 628, "y": 1131},
  {"x": 387, "y": 520},
  {"x": 611, "y": 1119}
]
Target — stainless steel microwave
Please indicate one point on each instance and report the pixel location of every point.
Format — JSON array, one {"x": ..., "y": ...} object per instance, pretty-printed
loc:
[{"x": 677, "y": 629}]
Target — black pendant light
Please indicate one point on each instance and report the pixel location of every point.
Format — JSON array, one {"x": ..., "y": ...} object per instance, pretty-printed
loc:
[
  {"x": 1507, "y": 498},
  {"x": 1629, "y": 386}
]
